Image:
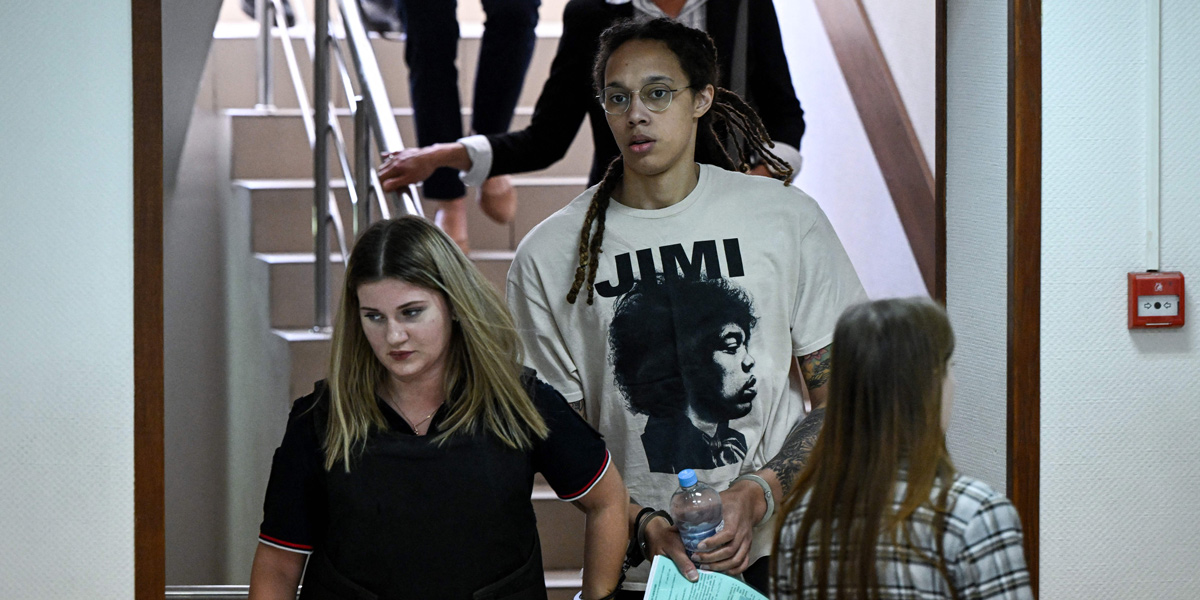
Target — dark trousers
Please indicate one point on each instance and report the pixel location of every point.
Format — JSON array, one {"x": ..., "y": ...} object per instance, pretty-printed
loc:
[
  {"x": 431, "y": 29},
  {"x": 757, "y": 575}
]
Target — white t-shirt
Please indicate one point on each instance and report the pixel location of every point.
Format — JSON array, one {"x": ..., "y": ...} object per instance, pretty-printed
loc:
[{"x": 683, "y": 359}]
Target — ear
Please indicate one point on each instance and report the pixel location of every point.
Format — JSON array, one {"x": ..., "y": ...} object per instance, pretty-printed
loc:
[{"x": 703, "y": 100}]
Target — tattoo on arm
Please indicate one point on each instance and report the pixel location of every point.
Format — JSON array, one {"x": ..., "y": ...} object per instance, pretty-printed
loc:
[
  {"x": 791, "y": 459},
  {"x": 815, "y": 368},
  {"x": 578, "y": 406}
]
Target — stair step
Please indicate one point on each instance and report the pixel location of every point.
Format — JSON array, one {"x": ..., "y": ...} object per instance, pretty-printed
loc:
[
  {"x": 492, "y": 255},
  {"x": 234, "y": 70},
  {"x": 470, "y": 15},
  {"x": 281, "y": 213},
  {"x": 273, "y": 144},
  {"x": 281, "y": 210},
  {"x": 562, "y": 583},
  {"x": 309, "y": 353},
  {"x": 291, "y": 287},
  {"x": 561, "y": 528},
  {"x": 292, "y": 295},
  {"x": 495, "y": 271}
]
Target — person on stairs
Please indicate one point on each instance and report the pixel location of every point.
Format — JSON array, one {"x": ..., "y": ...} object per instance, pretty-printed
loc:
[
  {"x": 431, "y": 47},
  {"x": 409, "y": 472},
  {"x": 752, "y": 64},
  {"x": 669, "y": 302}
]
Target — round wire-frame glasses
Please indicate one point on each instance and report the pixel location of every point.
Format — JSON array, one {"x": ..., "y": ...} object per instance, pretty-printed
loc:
[{"x": 655, "y": 97}]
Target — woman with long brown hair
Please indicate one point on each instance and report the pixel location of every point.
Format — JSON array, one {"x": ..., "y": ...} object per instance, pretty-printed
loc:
[
  {"x": 879, "y": 511},
  {"x": 408, "y": 473}
]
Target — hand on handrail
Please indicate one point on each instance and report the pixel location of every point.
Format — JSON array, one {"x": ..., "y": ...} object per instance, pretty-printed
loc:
[{"x": 414, "y": 165}]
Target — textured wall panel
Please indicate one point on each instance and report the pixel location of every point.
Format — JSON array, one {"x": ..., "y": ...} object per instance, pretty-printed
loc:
[
  {"x": 839, "y": 166},
  {"x": 977, "y": 232},
  {"x": 1120, "y": 488},
  {"x": 66, "y": 351}
]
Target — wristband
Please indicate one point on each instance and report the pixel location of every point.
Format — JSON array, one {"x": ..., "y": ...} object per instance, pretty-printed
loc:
[{"x": 766, "y": 488}]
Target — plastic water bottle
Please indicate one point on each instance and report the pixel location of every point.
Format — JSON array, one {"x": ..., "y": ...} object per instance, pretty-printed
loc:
[{"x": 696, "y": 508}]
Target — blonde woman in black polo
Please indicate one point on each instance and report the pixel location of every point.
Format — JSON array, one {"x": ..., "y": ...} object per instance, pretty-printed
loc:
[{"x": 408, "y": 473}]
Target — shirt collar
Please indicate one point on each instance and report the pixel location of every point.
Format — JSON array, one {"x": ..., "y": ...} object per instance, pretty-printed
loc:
[{"x": 692, "y": 14}]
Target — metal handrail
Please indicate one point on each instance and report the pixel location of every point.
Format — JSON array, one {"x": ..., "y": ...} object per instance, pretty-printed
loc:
[
  {"x": 266, "y": 84},
  {"x": 380, "y": 118},
  {"x": 373, "y": 117}
]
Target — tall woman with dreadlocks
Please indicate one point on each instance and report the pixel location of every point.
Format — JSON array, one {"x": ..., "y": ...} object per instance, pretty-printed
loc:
[{"x": 594, "y": 285}]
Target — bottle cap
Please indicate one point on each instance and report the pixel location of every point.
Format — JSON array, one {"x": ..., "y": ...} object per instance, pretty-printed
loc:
[{"x": 687, "y": 478}]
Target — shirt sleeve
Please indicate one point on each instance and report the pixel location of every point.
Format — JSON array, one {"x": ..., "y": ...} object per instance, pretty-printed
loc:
[
  {"x": 294, "y": 500},
  {"x": 785, "y": 554},
  {"x": 479, "y": 150},
  {"x": 545, "y": 349},
  {"x": 573, "y": 458},
  {"x": 827, "y": 284},
  {"x": 991, "y": 564}
]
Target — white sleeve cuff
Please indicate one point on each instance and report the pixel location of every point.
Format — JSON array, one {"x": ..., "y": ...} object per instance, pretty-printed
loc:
[
  {"x": 480, "y": 152},
  {"x": 789, "y": 153}
]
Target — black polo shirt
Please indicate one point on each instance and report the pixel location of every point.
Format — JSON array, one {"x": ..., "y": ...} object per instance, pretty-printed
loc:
[{"x": 296, "y": 511}]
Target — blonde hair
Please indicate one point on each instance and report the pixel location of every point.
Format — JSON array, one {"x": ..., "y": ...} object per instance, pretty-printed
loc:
[
  {"x": 483, "y": 383},
  {"x": 884, "y": 413}
]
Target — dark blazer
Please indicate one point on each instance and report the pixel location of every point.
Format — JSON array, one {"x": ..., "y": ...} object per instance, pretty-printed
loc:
[{"x": 568, "y": 94}]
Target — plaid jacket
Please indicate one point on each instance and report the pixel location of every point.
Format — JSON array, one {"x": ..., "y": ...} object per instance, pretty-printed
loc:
[{"x": 982, "y": 545}]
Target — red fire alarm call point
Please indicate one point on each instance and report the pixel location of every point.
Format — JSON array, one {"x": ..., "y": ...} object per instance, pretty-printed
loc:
[{"x": 1155, "y": 300}]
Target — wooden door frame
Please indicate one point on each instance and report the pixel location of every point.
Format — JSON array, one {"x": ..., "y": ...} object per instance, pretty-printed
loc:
[
  {"x": 1023, "y": 438},
  {"x": 149, "y": 529},
  {"x": 1025, "y": 268}
]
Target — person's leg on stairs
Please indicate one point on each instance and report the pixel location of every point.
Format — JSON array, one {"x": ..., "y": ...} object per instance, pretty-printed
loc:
[
  {"x": 431, "y": 32},
  {"x": 504, "y": 55}
]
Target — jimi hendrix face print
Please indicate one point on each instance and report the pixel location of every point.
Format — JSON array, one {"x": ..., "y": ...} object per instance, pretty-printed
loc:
[{"x": 681, "y": 354}]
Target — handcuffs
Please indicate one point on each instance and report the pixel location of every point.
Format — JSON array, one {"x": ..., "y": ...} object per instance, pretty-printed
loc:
[{"x": 638, "y": 551}]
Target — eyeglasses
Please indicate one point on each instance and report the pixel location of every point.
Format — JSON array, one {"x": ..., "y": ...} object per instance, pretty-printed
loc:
[{"x": 655, "y": 96}]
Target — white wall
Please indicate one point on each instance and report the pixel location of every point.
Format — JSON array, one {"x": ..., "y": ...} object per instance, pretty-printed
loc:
[
  {"x": 840, "y": 170},
  {"x": 907, "y": 34},
  {"x": 195, "y": 355},
  {"x": 1120, "y": 490},
  {"x": 977, "y": 232},
  {"x": 187, "y": 34},
  {"x": 66, "y": 355}
]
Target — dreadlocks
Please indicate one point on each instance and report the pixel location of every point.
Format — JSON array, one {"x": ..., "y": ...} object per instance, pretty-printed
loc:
[{"x": 728, "y": 116}]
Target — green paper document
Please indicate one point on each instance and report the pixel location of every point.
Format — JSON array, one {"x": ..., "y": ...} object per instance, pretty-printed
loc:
[{"x": 667, "y": 583}]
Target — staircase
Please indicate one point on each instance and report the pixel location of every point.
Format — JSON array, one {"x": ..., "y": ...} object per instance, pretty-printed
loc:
[{"x": 274, "y": 355}]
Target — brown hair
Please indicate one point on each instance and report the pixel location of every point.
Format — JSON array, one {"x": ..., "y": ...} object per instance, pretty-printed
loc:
[
  {"x": 483, "y": 373},
  {"x": 697, "y": 55},
  {"x": 884, "y": 414}
]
